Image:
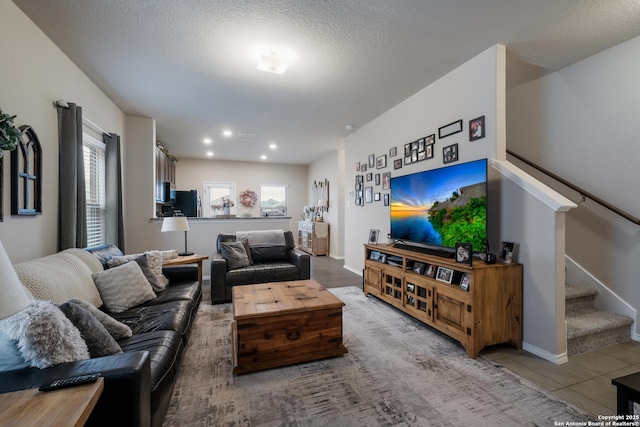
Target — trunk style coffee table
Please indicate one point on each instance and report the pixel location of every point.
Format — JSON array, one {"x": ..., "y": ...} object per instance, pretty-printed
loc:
[{"x": 282, "y": 323}]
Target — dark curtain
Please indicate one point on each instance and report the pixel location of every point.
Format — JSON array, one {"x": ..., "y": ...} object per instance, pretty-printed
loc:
[
  {"x": 72, "y": 229},
  {"x": 113, "y": 188}
]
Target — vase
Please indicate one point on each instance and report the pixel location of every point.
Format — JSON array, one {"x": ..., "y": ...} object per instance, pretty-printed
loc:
[{"x": 226, "y": 211}]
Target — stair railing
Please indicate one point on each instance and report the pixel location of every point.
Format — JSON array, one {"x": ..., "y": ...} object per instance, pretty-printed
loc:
[{"x": 582, "y": 192}]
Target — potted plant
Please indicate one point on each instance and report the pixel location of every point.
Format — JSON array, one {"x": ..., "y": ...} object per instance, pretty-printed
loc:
[{"x": 9, "y": 134}]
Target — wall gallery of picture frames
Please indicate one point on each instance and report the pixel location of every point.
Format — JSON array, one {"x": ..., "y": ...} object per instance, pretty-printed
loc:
[{"x": 416, "y": 151}]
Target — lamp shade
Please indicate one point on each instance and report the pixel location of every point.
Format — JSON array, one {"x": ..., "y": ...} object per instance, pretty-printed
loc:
[
  {"x": 175, "y": 223},
  {"x": 322, "y": 203},
  {"x": 13, "y": 295}
]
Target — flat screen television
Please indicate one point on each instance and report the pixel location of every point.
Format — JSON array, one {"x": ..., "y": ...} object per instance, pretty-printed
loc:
[{"x": 438, "y": 208}]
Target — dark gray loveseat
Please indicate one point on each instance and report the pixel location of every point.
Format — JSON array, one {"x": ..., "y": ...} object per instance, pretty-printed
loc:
[{"x": 276, "y": 262}]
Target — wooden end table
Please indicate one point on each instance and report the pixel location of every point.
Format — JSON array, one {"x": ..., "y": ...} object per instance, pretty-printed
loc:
[
  {"x": 65, "y": 407},
  {"x": 188, "y": 259},
  {"x": 282, "y": 323},
  {"x": 628, "y": 392}
]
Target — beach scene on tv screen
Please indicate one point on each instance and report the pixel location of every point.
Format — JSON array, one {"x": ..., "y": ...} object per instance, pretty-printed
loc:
[{"x": 441, "y": 207}]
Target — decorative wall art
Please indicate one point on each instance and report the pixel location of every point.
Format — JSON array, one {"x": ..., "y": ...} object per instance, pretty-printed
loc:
[
  {"x": 377, "y": 181},
  {"x": 450, "y": 154},
  {"x": 368, "y": 194},
  {"x": 393, "y": 151},
  {"x": 372, "y": 160},
  {"x": 370, "y": 176},
  {"x": 419, "y": 150},
  {"x": 376, "y": 197},
  {"x": 358, "y": 167},
  {"x": 381, "y": 162},
  {"x": 363, "y": 167},
  {"x": 386, "y": 199},
  {"x": 450, "y": 129},
  {"x": 476, "y": 128},
  {"x": 397, "y": 163},
  {"x": 386, "y": 180}
]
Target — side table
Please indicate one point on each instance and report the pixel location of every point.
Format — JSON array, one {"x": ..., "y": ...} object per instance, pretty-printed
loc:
[
  {"x": 189, "y": 259},
  {"x": 628, "y": 392},
  {"x": 65, "y": 407}
]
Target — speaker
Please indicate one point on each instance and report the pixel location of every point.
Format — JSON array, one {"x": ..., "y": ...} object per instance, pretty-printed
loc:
[{"x": 490, "y": 258}]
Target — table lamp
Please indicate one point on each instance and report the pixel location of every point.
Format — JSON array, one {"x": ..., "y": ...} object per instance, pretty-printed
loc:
[
  {"x": 323, "y": 204},
  {"x": 13, "y": 295},
  {"x": 177, "y": 223}
]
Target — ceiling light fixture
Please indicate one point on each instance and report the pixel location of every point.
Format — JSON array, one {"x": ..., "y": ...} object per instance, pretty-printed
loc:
[
  {"x": 227, "y": 133},
  {"x": 210, "y": 153},
  {"x": 275, "y": 61},
  {"x": 207, "y": 141},
  {"x": 273, "y": 146},
  {"x": 263, "y": 157}
]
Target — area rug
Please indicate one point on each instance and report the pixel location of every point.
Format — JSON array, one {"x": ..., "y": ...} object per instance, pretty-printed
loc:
[{"x": 398, "y": 372}]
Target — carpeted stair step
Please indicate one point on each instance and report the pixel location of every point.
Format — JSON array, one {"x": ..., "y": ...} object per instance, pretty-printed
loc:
[
  {"x": 593, "y": 329},
  {"x": 578, "y": 299}
]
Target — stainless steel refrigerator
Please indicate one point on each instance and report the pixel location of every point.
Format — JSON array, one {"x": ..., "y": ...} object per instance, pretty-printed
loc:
[{"x": 189, "y": 203}]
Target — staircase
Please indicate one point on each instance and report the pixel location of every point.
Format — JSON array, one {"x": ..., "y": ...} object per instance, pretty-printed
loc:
[{"x": 588, "y": 328}]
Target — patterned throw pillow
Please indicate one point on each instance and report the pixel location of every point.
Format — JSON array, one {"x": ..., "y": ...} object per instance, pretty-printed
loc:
[
  {"x": 118, "y": 330},
  {"x": 235, "y": 254},
  {"x": 45, "y": 336},
  {"x": 123, "y": 287},
  {"x": 152, "y": 267},
  {"x": 99, "y": 341}
]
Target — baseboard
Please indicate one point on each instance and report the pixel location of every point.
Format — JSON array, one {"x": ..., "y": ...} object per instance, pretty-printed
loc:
[
  {"x": 337, "y": 257},
  {"x": 558, "y": 359},
  {"x": 358, "y": 272}
]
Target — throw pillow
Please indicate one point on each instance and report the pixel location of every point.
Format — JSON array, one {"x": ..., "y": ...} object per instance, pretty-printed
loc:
[
  {"x": 154, "y": 273},
  {"x": 118, "y": 330},
  {"x": 11, "y": 358},
  {"x": 123, "y": 287},
  {"x": 45, "y": 336},
  {"x": 247, "y": 248},
  {"x": 143, "y": 262},
  {"x": 99, "y": 341},
  {"x": 235, "y": 254},
  {"x": 155, "y": 263}
]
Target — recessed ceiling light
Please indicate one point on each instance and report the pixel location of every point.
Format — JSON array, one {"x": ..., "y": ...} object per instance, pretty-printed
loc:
[
  {"x": 273, "y": 146},
  {"x": 210, "y": 153},
  {"x": 274, "y": 60},
  {"x": 263, "y": 157},
  {"x": 227, "y": 132},
  {"x": 207, "y": 141}
]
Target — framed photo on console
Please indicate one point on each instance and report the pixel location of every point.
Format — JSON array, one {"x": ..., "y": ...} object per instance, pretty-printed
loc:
[
  {"x": 444, "y": 274},
  {"x": 465, "y": 281},
  {"x": 464, "y": 253},
  {"x": 506, "y": 252},
  {"x": 374, "y": 234},
  {"x": 418, "y": 267},
  {"x": 431, "y": 270}
]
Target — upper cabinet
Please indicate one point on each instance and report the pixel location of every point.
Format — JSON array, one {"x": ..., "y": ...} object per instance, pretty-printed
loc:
[{"x": 165, "y": 172}]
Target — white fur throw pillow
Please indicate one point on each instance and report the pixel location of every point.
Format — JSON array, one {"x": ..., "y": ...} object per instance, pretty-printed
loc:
[
  {"x": 123, "y": 287},
  {"x": 118, "y": 330},
  {"x": 45, "y": 336}
]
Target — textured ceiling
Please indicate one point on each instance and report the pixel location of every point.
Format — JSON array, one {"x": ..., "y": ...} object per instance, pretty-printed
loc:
[{"x": 188, "y": 63}]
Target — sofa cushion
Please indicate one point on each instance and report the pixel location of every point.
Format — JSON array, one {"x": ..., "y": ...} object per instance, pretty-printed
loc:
[
  {"x": 123, "y": 287},
  {"x": 235, "y": 254},
  {"x": 262, "y": 273},
  {"x": 170, "y": 316},
  {"x": 181, "y": 292},
  {"x": 95, "y": 335},
  {"x": 261, "y": 254},
  {"x": 117, "y": 330},
  {"x": 59, "y": 278},
  {"x": 45, "y": 336}
]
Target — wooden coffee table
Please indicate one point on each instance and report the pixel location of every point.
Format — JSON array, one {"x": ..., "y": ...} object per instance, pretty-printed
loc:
[{"x": 282, "y": 323}]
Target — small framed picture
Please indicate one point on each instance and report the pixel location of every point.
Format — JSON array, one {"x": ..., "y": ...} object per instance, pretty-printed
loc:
[
  {"x": 374, "y": 234},
  {"x": 363, "y": 167},
  {"x": 444, "y": 274},
  {"x": 377, "y": 179},
  {"x": 376, "y": 197},
  {"x": 407, "y": 149},
  {"x": 411, "y": 288},
  {"x": 368, "y": 194},
  {"x": 431, "y": 270},
  {"x": 429, "y": 151},
  {"x": 386, "y": 180},
  {"x": 418, "y": 267},
  {"x": 382, "y": 258},
  {"x": 370, "y": 176},
  {"x": 374, "y": 255},
  {"x": 476, "y": 128},
  {"x": 381, "y": 162},
  {"x": 464, "y": 253},
  {"x": 450, "y": 129},
  {"x": 358, "y": 167},
  {"x": 465, "y": 281},
  {"x": 411, "y": 300},
  {"x": 407, "y": 160},
  {"x": 386, "y": 199},
  {"x": 372, "y": 160},
  {"x": 506, "y": 252},
  {"x": 393, "y": 151},
  {"x": 450, "y": 153},
  {"x": 429, "y": 140},
  {"x": 397, "y": 163}
]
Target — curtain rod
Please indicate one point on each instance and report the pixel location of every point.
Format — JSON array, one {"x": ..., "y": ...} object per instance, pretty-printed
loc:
[{"x": 62, "y": 103}]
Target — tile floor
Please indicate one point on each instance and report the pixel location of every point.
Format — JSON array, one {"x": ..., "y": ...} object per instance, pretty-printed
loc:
[{"x": 584, "y": 381}]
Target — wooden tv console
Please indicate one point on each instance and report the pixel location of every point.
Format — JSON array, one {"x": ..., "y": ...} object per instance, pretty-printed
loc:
[{"x": 488, "y": 312}]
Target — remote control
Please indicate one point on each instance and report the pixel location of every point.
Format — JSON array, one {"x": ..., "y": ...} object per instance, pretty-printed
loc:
[{"x": 69, "y": 382}]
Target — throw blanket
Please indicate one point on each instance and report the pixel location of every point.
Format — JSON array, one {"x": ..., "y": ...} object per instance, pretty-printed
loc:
[
  {"x": 262, "y": 237},
  {"x": 322, "y": 230}
]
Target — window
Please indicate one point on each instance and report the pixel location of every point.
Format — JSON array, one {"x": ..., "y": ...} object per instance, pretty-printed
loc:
[
  {"x": 94, "y": 175},
  {"x": 273, "y": 200},
  {"x": 216, "y": 194}
]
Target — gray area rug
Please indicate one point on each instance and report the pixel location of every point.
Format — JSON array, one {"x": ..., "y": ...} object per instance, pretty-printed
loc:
[{"x": 398, "y": 372}]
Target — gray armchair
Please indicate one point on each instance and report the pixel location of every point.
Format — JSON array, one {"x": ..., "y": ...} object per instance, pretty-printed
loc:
[{"x": 276, "y": 262}]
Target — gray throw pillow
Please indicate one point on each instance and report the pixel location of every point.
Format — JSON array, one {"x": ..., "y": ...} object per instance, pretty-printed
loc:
[
  {"x": 247, "y": 248},
  {"x": 144, "y": 261},
  {"x": 99, "y": 341},
  {"x": 118, "y": 330},
  {"x": 45, "y": 336},
  {"x": 235, "y": 254},
  {"x": 123, "y": 287}
]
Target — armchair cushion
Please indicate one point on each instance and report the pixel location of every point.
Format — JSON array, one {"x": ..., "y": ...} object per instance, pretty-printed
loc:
[{"x": 235, "y": 254}]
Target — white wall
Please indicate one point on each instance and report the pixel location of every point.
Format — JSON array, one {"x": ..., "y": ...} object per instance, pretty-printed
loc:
[
  {"x": 471, "y": 90},
  {"x": 34, "y": 73},
  {"x": 331, "y": 167},
  {"x": 582, "y": 124}
]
